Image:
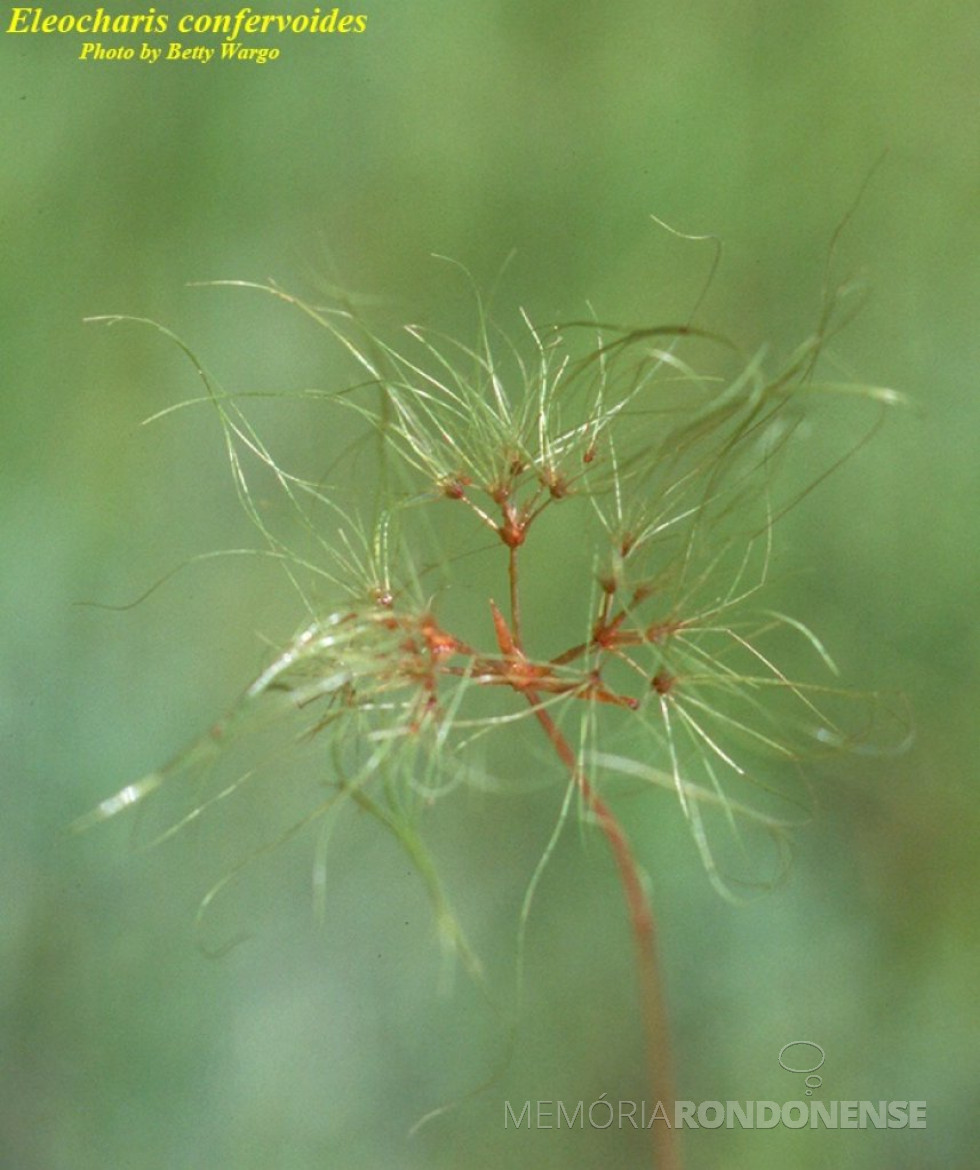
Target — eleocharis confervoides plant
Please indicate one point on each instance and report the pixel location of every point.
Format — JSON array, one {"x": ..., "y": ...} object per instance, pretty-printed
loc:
[{"x": 640, "y": 463}]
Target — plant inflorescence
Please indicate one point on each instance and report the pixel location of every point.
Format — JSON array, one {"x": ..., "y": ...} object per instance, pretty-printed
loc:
[{"x": 628, "y": 471}]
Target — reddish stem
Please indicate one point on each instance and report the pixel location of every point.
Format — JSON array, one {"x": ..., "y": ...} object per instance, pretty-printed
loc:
[
  {"x": 515, "y": 598},
  {"x": 515, "y": 671},
  {"x": 655, "y": 1020}
]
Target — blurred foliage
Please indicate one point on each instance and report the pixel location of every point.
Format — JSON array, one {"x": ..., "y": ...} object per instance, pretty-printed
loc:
[{"x": 554, "y": 131}]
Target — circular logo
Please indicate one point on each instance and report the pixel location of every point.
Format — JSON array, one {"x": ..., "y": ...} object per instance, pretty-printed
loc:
[{"x": 803, "y": 1061}]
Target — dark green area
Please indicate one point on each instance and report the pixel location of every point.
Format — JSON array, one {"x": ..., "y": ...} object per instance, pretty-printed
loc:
[{"x": 555, "y": 131}]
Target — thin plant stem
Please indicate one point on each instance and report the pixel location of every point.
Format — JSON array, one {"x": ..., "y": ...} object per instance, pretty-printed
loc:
[
  {"x": 515, "y": 599},
  {"x": 666, "y": 1150}
]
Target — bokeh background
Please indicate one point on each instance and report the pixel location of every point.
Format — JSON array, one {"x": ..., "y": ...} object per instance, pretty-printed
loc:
[{"x": 553, "y": 130}]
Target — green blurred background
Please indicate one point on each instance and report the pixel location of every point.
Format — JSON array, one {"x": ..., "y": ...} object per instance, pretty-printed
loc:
[{"x": 554, "y": 130}]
